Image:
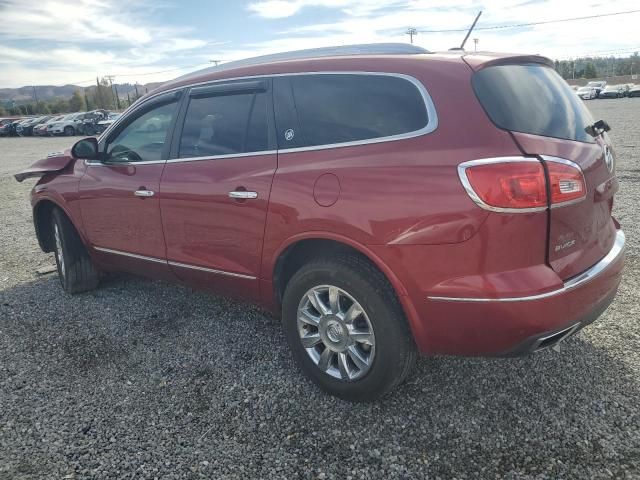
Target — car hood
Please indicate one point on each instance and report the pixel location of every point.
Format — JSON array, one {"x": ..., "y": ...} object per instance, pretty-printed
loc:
[{"x": 54, "y": 162}]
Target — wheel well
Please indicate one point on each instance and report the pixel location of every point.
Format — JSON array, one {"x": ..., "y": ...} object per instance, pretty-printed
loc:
[
  {"x": 296, "y": 255},
  {"x": 42, "y": 222}
]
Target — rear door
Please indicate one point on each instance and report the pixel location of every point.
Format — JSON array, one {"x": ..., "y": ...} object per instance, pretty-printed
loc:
[
  {"x": 216, "y": 186},
  {"x": 548, "y": 120}
]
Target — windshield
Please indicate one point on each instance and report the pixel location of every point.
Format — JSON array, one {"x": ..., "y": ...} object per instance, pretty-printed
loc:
[{"x": 532, "y": 99}]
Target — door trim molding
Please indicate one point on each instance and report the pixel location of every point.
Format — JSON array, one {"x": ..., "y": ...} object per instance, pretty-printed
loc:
[{"x": 174, "y": 264}]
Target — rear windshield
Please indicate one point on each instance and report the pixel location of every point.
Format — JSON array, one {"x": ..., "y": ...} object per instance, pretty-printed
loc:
[{"x": 532, "y": 99}]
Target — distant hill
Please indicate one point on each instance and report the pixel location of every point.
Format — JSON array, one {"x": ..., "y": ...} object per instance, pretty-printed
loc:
[{"x": 51, "y": 92}]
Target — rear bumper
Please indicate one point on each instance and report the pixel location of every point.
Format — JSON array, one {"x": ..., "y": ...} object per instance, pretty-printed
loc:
[{"x": 519, "y": 325}]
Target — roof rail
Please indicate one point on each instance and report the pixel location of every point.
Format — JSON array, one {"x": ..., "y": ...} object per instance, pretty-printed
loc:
[{"x": 343, "y": 50}]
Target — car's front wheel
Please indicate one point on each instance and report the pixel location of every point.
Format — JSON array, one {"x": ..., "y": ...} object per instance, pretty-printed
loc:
[
  {"x": 75, "y": 268},
  {"x": 346, "y": 328},
  {"x": 69, "y": 131}
]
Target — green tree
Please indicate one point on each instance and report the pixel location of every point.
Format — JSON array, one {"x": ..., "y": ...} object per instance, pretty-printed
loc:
[
  {"x": 103, "y": 94},
  {"x": 590, "y": 71},
  {"x": 77, "y": 103},
  {"x": 3, "y": 112}
]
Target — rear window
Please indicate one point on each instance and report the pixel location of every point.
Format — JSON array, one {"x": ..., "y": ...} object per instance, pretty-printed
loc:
[
  {"x": 339, "y": 108},
  {"x": 532, "y": 99}
]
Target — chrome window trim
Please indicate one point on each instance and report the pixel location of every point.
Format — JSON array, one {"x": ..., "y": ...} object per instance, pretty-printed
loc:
[
  {"x": 95, "y": 163},
  {"x": 222, "y": 157},
  {"x": 462, "y": 174},
  {"x": 173, "y": 264},
  {"x": 432, "y": 116},
  {"x": 616, "y": 250}
]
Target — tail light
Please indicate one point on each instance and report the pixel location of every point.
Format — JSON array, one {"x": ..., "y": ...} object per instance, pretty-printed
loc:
[{"x": 519, "y": 184}]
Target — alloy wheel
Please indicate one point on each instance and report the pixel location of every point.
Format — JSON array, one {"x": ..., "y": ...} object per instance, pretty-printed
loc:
[
  {"x": 336, "y": 332},
  {"x": 59, "y": 252}
]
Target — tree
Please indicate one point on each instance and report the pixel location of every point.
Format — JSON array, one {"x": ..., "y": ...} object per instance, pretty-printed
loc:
[
  {"x": 103, "y": 95},
  {"x": 77, "y": 103},
  {"x": 590, "y": 71},
  {"x": 3, "y": 112}
]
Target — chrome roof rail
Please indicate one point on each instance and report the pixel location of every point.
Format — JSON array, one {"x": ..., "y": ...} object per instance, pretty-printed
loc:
[{"x": 343, "y": 50}]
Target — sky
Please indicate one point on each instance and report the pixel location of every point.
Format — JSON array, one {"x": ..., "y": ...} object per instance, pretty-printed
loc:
[{"x": 57, "y": 42}]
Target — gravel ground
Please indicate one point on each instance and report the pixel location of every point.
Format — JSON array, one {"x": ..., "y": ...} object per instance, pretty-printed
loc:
[{"x": 143, "y": 379}]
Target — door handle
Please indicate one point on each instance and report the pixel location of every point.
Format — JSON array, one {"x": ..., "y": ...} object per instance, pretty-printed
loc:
[
  {"x": 144, "y": 193},
  {"x": 243, "y": 194}
]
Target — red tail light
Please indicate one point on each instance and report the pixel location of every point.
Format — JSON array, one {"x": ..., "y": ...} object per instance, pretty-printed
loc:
[
  {"x": 519, "y": 184},
  {"x": 566, "y": 181}
]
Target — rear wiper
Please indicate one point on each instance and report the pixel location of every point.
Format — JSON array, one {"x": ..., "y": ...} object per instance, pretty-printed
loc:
[{"x": 597, "y": 128}]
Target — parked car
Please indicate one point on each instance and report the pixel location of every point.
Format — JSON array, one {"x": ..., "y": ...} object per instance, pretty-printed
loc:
[
  {"x": 611, "y": 91},
  {"x": 599, "y": 85},
  {"x": 385, "y": 200},
  {"x": 104, "y": 124},
  {"x": 634, "y": 91},
  {"x": 42, "y": 130},
  {"x": 5, "y": 125},
  {"x": 70, "y": 125},
  {"x": 25, "y": 129},
  {"x": 10, "y": 129},
  {"x": 587, "y": 93}
]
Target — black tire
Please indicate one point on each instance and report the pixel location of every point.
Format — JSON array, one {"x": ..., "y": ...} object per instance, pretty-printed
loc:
[
  {"x": 69, "y": 131},
  {"x": 75, "y": 268},
  {"x": 395, "y": 350}
]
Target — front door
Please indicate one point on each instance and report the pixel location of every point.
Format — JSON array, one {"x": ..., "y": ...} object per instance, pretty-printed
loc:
[
  {"x": 119, "y": 196},
  {"x": 216, "y": 185}
]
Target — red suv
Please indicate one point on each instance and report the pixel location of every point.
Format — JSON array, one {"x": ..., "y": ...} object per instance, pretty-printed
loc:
[{"x": 385, "y": 199}]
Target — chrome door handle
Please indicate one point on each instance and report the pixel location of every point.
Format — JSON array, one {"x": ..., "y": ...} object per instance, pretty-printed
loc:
[
  {"x": 144, "y": 193},
  {"x": 242, "y": 194}
]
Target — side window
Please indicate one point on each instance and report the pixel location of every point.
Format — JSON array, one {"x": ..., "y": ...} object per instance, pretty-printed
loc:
[
  {"x": 338, "y": 108},
  {"x": 225, "y": 125},
  {"x": 143, "y": 139}
]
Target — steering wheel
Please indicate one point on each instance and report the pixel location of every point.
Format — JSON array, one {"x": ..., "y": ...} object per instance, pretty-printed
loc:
[{"x": 124, "y": 152}]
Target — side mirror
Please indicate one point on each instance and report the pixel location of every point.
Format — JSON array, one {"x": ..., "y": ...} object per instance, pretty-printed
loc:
[{"x": 86, "y": 149}]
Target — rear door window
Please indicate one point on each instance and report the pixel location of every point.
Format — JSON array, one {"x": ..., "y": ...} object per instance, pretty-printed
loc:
[
  {"x": 532, "y": 99},
  {"x": 342, "y": 108},
  {"x": 225, "y": 125}
]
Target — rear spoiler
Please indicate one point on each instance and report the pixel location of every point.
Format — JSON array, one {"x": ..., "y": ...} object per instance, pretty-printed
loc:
[
  {"x": 478, "y": 61},
  {"x": 53, "y": 163}
]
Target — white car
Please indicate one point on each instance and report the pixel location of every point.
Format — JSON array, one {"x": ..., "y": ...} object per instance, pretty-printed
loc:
[
  {"x": 69, "y": 125},
  {"x": 587, "y": 93}
]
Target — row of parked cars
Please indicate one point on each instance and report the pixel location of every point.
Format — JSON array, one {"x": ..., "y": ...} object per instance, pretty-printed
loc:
[
  {"x": 79, "y": 123},
  {"x": 600, "y": 89}
]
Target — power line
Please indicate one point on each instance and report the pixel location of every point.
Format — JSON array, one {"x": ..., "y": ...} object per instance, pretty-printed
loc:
[
  {"x": 601, "y": 52},
  {"x": 544, "y": 22}
]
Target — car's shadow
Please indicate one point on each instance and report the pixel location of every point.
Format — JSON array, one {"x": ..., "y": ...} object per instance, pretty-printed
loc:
[{"x": 210, "y": 369}]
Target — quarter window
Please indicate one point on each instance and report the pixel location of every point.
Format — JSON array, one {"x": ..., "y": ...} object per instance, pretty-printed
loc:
[
  {"x": 339, "y": 108},
  {"x": 144, "y": 138},
  {"x": 225, "y": 125}
]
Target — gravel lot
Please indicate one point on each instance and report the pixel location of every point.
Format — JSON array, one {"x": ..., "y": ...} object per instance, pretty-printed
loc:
[{"x": 144, "y": 379}]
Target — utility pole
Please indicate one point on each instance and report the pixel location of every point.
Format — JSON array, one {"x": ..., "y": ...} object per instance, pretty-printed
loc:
[
  {"x": 34, "y": 93},
  {"x": 115, "y": 87},
  {"x": 411, "y": 32},
  {"x": 136, "y": 87},
  {"x": 216, "y": 62},
  {"x": 475, "y": 44}
]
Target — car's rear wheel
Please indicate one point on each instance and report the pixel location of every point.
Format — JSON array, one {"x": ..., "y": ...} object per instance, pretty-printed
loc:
[
  {"x": 69, "y": 131},
  {"x": 75, "y": 268},
  {"x": 346, "y": 328}
]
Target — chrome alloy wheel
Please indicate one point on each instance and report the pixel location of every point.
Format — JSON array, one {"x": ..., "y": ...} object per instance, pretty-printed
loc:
[
  {"x": 336, "y": 332},
  {"x": 60, "y": 255}
]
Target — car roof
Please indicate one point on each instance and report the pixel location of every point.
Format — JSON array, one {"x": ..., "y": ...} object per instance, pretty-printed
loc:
[{"x": 369, "y": 57}]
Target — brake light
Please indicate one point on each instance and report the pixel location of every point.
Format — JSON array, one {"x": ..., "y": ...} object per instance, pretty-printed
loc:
[
  {"x": 519, "y": 184},
  {"x": 566, "y": 181},
  {"x": 505, "y": 184}
]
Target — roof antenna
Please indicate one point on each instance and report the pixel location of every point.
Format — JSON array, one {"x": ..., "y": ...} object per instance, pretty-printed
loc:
[{"x": 461, "y": 47}]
